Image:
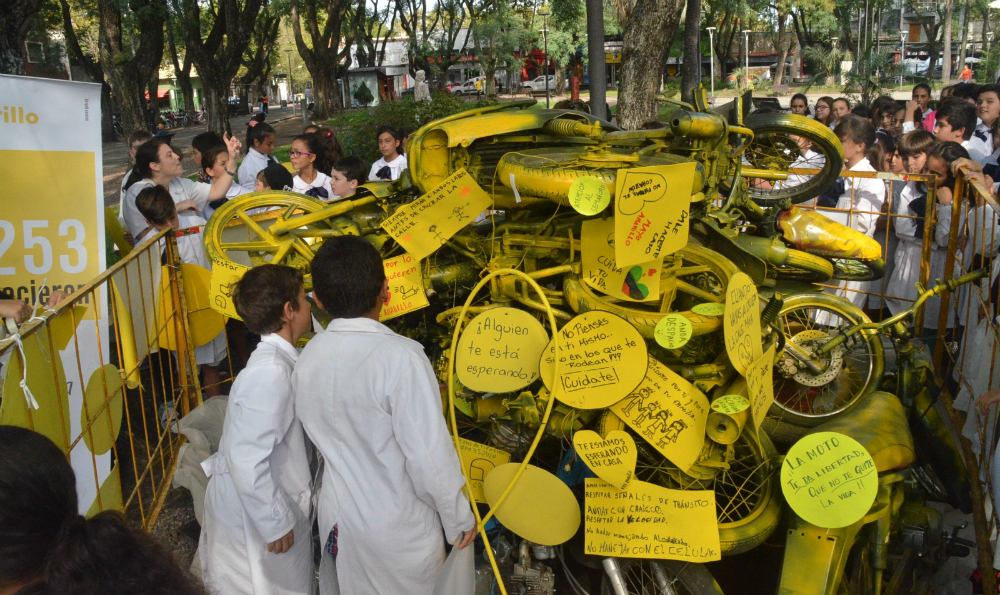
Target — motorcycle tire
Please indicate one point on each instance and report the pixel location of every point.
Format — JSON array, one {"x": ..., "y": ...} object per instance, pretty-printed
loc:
[
  {"x": 802, "y": 266},
  {"x": 744, "y": 525},
  {"x": 773, "y": 148},
  {"x": 662, "y": 577}
]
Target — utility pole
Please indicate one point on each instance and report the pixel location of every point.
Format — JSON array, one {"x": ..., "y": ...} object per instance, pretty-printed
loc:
[
  {"x": 595, "y": 60},
  {"x": 711, "y": 53},
  {"x": 544, "y": 12}
]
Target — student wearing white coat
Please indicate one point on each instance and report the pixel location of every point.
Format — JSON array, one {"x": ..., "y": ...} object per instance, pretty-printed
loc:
[
  {"x": 257, "y": 538},
  {"x": 369, "y": 401}
]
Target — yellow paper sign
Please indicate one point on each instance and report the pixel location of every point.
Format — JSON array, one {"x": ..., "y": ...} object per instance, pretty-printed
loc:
[
  {"x": 406, "y": 287},
  {"x": 668, "y": 412},
  {"x": 741, "y": 324},
  {"x": 102, "y": 404},
  {"x": 602, "y": 358},
  {"x": 673, "y": 331},
  {"x": 730, "y": 404},
  {"x": 499, "y": 350},
  {"x": 829, "y": 479},
  {"x": 225, "y": 274},
  {"x": 651, "y": 211},
  {"x": 648, "y": 521},
  {"x": 203, "y": 324},
  {"x": 611, "y": 458},
  {"x": 760, "y": 386},
  {"x": 710, "y": 309},
  {"x": 478, "y": 460},
  {"x": 425, "y": 224},
  {"x": 636, "y": 283},
  {"x": 548, "y": 520},
  {"x": 589, "y": 195}
]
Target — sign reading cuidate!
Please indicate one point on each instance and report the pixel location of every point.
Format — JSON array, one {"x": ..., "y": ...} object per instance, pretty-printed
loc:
[
  {"x": 668, "y": 412},
  {"x": 406, "y": 287},
  {"x": 225, "y": 274},
  {"x": 602, "y": 358},
  {"x": 425, "y": 224},
  {"x": 829, "y": 479},
  {"x": 477, "y": 462},
  {"x": 651, "y": 211},
  {"x": 648, "y": 521},
  {"x": 741, "y": 323},
  {"x": 637, "y": 283},
  {"x": 611, "y": 458},
  {"x": 499, "y": 350}
]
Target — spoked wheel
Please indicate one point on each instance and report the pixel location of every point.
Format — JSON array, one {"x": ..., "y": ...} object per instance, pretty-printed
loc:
[
  {"x": 238, "y": 231},
  {"x": 549, "y": 172},
  {"x": 698, "y": 275},
  {"x": 804, "y": 399},
  {"x": 783, "y": 141},
  {"x": 663, "y": 577},
  {"x": 743, "y": 476}
]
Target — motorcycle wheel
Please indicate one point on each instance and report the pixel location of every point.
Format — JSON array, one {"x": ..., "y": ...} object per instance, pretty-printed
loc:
[
  {"x": 850, "y": 269},
  {"x": 803, "y": 401},
  {"x": 663, "y": 577},
  {"x": 748, "y": 497},
  {"x": 704, "y": 269},
  {"x": 233, "y": 234},
  {"x": 803, "y": 266},
  {"x": 773, "y": 148}
]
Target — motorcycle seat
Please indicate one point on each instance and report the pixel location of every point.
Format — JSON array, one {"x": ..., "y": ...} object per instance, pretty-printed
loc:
[{"x": 879, "y": 424}]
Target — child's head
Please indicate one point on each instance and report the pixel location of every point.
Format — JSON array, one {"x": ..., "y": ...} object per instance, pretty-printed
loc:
[
  {"x": 897, "y": 121},
  {"x": 841, "y": 107},
  {"x": 348, "y": 278},
  {"x": 939, "y": 162},
  {"x": 863, "y": 111},
  {"x": 260, "y": 137},
  {"x": 922, "y": 95},
  {"x": 310, "y": 129},
  {"x": 215, "y": 160},
  {"x": 389, "y": 142},
  {"x": 947, "y": 91},
  {"x": 881, "y": 153},
  {"x": 824, "y": 109},
  {"x": 157, "y": 207},
  {"x": 955, "y": 121},
  {"x": 346, "y": 174},
  {"x": 967, "y": 91},
  {"x": 405, "y": 132},
  {"x": 914, "y": 148},
  {"x": 202, "y": 142},
  {"x": 155, "y": 157},
  {"x": 883, "y": 110},
  {"x": 799, "y": 105},
  {"x": 316, "y": 150},
  {"x": 857, "y": 135},
  {"x": 135, "y": 141},
  {"x": 270, "y": 299},
  {"x": 274, "y": 177},
  {"x": 988, "y": 104}
]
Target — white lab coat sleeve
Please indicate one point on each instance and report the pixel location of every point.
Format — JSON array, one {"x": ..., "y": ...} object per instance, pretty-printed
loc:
[
  {"x": 259, "y": 422},
  {"x": 431, "y": 461},
  {"x": 908, "y": 127},
  {"x": 196, "y": 191}
]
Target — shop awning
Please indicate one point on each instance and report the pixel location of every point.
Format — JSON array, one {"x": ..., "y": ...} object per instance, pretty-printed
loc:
[{"x": 160, "y": 93}]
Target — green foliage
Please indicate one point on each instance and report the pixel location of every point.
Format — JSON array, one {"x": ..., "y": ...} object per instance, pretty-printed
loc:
[
  {"x": 871, "y": 73},
  {"x": 363, "y": 94},
  {"x": 986, "y": 69},
  {"x": 825, "y": 63}
]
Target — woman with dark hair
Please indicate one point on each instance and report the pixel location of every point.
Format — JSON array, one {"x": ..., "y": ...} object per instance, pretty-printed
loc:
[
  {"x": 156, "y": 164},
  {"x": 49, "y": 549},
  {"x": 824, "y": 110},
  {"x": 799, "y": 105}
]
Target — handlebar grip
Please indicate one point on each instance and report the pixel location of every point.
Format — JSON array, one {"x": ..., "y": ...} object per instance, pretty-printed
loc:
[{"x": 976, "y": 275}]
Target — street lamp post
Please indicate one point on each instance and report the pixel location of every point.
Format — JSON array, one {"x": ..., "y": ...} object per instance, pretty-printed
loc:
[
  {"x": 544, "y": 13},
  {"x": 746, "y": 43},
  {"x": 711, "y": 59},
  {"x": 902, "y": 57},
  {"x": 290, "y": 94},
  {"x": 989, "y": 41}
]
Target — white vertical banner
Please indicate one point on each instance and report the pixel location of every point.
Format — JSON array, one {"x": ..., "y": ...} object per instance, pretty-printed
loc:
[{"x": 52, "y": 238}]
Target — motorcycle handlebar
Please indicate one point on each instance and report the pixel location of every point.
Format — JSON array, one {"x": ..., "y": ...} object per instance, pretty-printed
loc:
[{"x": 954, "y": 283}]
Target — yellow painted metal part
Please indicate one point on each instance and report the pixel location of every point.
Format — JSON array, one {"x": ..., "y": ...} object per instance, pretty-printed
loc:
[{"x": 811, "y": 232}]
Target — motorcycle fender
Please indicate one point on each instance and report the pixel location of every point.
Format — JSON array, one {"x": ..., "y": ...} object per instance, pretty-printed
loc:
[
  {"x": 815, "y": 558},
  {"x": 811, "y": 232}
]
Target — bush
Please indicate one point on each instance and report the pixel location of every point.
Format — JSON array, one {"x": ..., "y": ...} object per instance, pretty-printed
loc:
[
  {"x": 356, "y": 130},
  {"x": 363, "y": 95}
]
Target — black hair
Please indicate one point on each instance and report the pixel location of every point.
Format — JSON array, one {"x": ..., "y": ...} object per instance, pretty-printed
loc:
[
  {"x": 310, "y": 129},
  {"x": 394, "y": 133},
  {"x": 156, "y": 204},
  {"x": 923, "y": 86},
  {"x": 803, "y": 98},
  {"x": 276, "y": 177},
  {"x": 844, "y": 99},
  {"x": 949, "y": 152},
  {"x": 260, "y": 296},
  {"x": 959, "y": 113},
  {"x": 862, "y": 110},
  {"x": 137, "y": 135},
  {"x": 257, "y": 132},
  {"x": 881, "y": 107},
  {"x": 347, "y": 276},
  {"x": 966, "y": 91},
  {"x": 856, "y": 128},
  {"x": 916, "y": 141},
  {"x": 147, "y": 154},
  {"x": 47, "y": 542},
  {"x": 209, "y": 155},
  {"x": 203, "y": 141},
  {"x": 352, "y": 167},
  {"x": 323, "y": 144},
  {"x": 995, "y": 89}
]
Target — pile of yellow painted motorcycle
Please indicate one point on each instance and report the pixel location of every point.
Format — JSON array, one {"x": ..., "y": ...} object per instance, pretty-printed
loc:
[{"x": 677, "y": 275}]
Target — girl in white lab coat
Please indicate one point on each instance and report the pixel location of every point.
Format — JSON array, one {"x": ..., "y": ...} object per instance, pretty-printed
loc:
[{"x": 256, "y": 539}]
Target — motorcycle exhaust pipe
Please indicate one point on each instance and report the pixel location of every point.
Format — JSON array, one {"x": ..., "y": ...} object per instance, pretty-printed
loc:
[{"x": 614, "y": 575}]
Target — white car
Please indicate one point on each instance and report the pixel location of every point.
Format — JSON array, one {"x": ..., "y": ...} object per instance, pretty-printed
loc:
[
  {"x": 469, "y": 86},
  {"x": 538, "y": 84}
]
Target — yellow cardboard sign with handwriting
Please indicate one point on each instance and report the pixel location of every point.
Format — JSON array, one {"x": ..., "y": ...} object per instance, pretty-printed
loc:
[
  {"x": 651, "y": 212},
  {"x": 637, "y": 283},
  {"x": 406, "y": 287},
  {"x": 225, "y": 274}
]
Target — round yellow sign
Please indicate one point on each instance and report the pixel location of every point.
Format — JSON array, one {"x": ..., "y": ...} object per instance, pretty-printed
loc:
[
  {"x": 101, "y": 431},
  {"x": 741, "y": 324},
  {"x": 548, "y": 520},
  {"x": 673, "y": 331},
  {"x": 589, "y": 195},
  {"x": 710, "y": 309},
  {"x": 204, "y": 323},
  {"x": 499, "y": 350},
  {"x": 829, "y": 479},
  {"x": 730, "y": 404},
  {"x": 602, "y": 358}
]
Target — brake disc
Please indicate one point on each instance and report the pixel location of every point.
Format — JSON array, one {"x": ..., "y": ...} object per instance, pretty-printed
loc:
[{"x": 808, "y": 342}]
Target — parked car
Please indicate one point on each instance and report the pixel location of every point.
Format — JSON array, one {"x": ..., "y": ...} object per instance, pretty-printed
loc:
[
  {"x": 538, "y": 84},
  {"x": 469, "y": 86}
]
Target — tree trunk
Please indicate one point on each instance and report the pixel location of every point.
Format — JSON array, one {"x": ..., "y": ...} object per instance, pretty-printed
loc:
[
  {"x": 648, "y": 32},
  {"x": 560, "y": 79},
  {"x": 962, "y": 53},
  {"x": 128, "y": 72},
  {"x": 691, "y": 67},
  {"x": 326, "y": 97},
  {"x": 15, "y": 20},
  {"x": 784, "y": 44},
  {"x": 946, "y": 40},
  {"x": 216, "y": 105}
]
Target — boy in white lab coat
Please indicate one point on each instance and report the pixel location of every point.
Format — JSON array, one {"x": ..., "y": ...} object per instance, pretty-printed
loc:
[
  {"x": 369, "y": 401},
  {"x": 256, "y": 535}
]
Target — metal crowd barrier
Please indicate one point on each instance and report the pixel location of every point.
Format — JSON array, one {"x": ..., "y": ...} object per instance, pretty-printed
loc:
[{"x": 128, "y": 414}]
